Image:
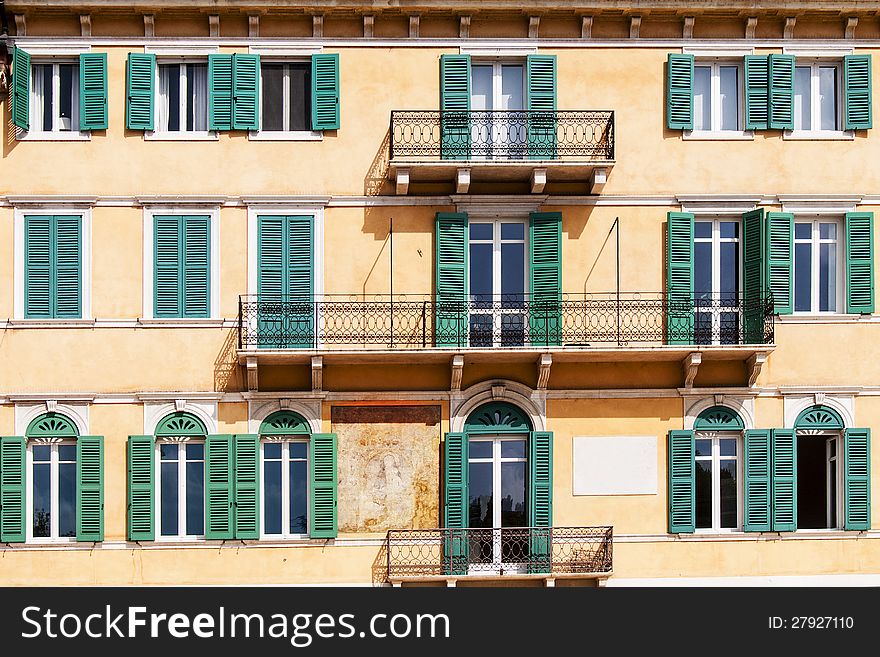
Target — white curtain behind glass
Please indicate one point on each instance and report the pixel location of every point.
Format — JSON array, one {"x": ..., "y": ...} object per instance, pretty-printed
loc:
[{"x": 198, "y": 97}]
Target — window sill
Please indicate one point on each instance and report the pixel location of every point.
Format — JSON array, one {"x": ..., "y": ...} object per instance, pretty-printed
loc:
[
  {"x": 67, "y": 135},
  {"x": 718, "y": 135},
  {"x": 824, "y": 318},
  {"x": 301, "y": 135},
  {"x": 49, "y": 323},
  {"x": 181, "y": 136},
  {"x": 181, "y": 321},
  {"x": 819, "y": 135}
]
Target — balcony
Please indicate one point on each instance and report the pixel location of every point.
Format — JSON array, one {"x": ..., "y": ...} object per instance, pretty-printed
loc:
[
  {"x": 508, "y": 146},
  {"x": 518, "y": 552}
]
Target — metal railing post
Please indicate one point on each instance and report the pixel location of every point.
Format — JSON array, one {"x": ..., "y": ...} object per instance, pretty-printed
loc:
[{"x": 388, "y": 555}]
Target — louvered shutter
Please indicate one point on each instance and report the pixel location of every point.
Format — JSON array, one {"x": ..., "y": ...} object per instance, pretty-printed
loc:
[
  {"x": 757, "y": 481},
  {"x": 780, "y": 259},
  {"x": 680, "y": 92},
  {"x": 682, "y": 478},
  {"x": 784, "y": 484},
  {"x": 455, "y": 504},
  {"x": 38, "y": 266},
  {"x": 219, "y": 459},
  {"x": 541, "y": 106},
  {"x": 323, "y": 486},
  {"x": 20, "y": 88},
  {"x": 67, "y": 260},
  {"x": 247, "y": 486},
  {"x": 246, "y": 92},
  {"x": 325, "y": 92},
  {"x": 167, "y": 252},
  {"x": 858, "y": 92},
  {"x": 451, "y": 242},
  {"x": 220, "y": 92},
  {"x": 860, "y": 262},
  {"x": 140, "y": 91},
  {"x": 299, "y": 279},
  {"x": 93, "y": 91},
  {"x": 753, "y": 276},
  {"x": 12, "y": 489},
  {"x": 271, "y": 277},
  {"x": 141, "y": 491},
  {"x": 545, "y": 278},
  {"x": 196, "y": 266},
  {"x": 857, "y": 479},
  {"x": 90, "y": 488},
  {"x": 782, "y": 92},
  {"x": 540, "y": 500},
  {"x": 455, "y": 107},
  {"x": 757, "y": 83},
  {"x": 680, "y": 278}
]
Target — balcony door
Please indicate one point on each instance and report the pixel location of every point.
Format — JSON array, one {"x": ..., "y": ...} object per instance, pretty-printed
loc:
[
  {"x": 498, "y": 126},
  {"x": 497, "y": 283},
  {"x": 716, "y": 281}
]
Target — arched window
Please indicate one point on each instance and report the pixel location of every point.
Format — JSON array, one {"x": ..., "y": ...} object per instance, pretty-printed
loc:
[
  {"x": 180, "y": 493},
  {"x": 817, "y": 468},
  {"x": 284, "y": 447},
  {"x": 498, "y": 483},
  {"x": 717, "y": 469}
]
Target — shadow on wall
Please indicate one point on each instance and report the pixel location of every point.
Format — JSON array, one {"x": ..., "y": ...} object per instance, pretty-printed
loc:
[
  {"x": 227, "y": 373},
  {"x": 376, "y": 181},
  {"x": 380, "y": 566}
]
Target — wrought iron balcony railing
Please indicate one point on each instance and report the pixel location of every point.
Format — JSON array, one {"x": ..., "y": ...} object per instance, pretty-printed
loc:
[
  {"x": 500, "y": 551},
  {"x": 503, "y": 135},
  {"x": 576, "y": 320}
]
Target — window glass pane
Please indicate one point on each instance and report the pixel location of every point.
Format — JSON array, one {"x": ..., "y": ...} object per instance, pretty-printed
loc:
[
  {"x": 802, "y": 276},
  {"x": 512, "y": 87},
  {"x": 728, "y": 493},
  {"x": 272, "y": 450},
  {"x": 299, "y": 450},
  {"x": 828, "y": 277},
  {"x": 729, "y": 326},
  {"x": 513, "y": 271},
  {"x": 481, "y": 271},
  {"x": 67, "y": 453},
  {"x": 299, "y": 497},
  {"x": 300, "y": 96},
  {"x": 197, "y": 97},
  {"x": 802, "y": 97},
  {"x": 702, "y": 98},
  {"x": 703, "y": 328},
  {"x": 480, "y": 449},
  {"x": 481, "y": 328},
  {"x": 703, "y": 447},
  {"x": 703, "y": 229},
  {"x": 168, "y": 451},
  {"x": 703, "y": 269},
  {"x": 195, "y": 498},
  {"x": 729, "y": 229},
  {"x": 67, "y": 499},
  {"x": 272, "y": 496},
  {"x": 828, "y": 97},
  {"x": 513, "y": 494},
  {"x": 42, "y": 452},
  {"x": 728, "y": 446},
  {"x": 481, "y": 88},
  {"x": 195, "y": 452},
  {"x": 729, "y": 271},
  {"x": 513, "y": 449},
  {"x": 513, "y": 328},
  {"x": 67, "y": 92},
  {"x": 729, "y": 101},
  {"x": 169, "y": 488},
  {"x": 169, "y": 97},
  {"x": 827, "y": 231},
  {"x": 273, "y": 96},
  {"x": 703, "y": 494},
  {"x": 43, "y": 85},
  {"x": 803, "y": 231},
  {"x": 513, "y": 231},
  {"x": 480, "y": 495},
  {"x": 42, "y": 499},
  {"x": 480, "y": 232}
]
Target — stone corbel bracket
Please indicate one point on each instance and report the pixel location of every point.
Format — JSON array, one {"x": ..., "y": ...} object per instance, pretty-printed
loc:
[
  {"x": 457, "y": 371},
  {"x": 317, "y": 373},
  {"x": 251, "y": 368},
  {"x": 690, "y": 365},
  {"x": 754, "y": 365},
  {"x": 544, "y": 363}
]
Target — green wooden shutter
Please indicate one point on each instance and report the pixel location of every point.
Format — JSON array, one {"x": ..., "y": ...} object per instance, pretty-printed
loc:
[
  {"x": 455, "y": 107},
  {"x": 680, "y": 278},
  {"x": 271, "y": 280},
  {"x": 141, "y": 482},
  {"x": 753, "y": 276},
  {"x": 682, "y": 482},
  {"x": 455, "y": 504},
  {"x": 325, "y": 92},
  {"x": 167, "y": 280},
  {"x": 757, "y": 481},
  {"x": 219, "y": 92},
  {"x": 757, "y": 83},
  {"x": 323, "y": 485},
  {"x": 21, "y": 88},
  {"x": 780, "y": 258},
  {"x": 38, "y": 266},
  {"x": 67, "y": 278},
  {"x": 782, "y": 92},
  {"x": 680, "y": 92},
  {"x": 857, "y": 479},
  {"x": 219, "y": 459},
  {"x": 93, "y": 91},
  {"x": 860, "y": 262},
  {"x": 246, "y": 92},
  {"x": 196, "y": 266},
  {"x": 300, "y": 281},
  {"x": 90, "y": 488},
  {"x": 140, "y": 91},
  {"x": 247, "y": 486},
  {"x": 545, "y": 278},
  {"x": 858, "y": 92},
  {"x": 12, "y": 489},
  {"x": 784, "y": 485},
  {"x": 451, "y": 242},
  {"x": 541, "y": 105},
  {"x": 540, "y": 500}
]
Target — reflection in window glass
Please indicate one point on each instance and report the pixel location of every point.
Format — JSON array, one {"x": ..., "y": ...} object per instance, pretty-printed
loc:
[
  {"x": 828, "y": 98},
  {"x": 802, "y": 97},
  {"x": 729, "y": 102},
  {"x": 702, "y": 98}
]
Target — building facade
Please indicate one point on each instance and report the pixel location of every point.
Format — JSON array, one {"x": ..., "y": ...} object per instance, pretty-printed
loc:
[{"x": 439, "y": 293}]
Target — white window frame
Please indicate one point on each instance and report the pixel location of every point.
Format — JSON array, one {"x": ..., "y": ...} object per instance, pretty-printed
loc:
[
  {"x": 283, "y": 135},
  {"x": 34, "y": 133},
  {"x": 715, "y": 132},
  {"x": 180, "y": 135},
  {"x": 497, "y": 63},
  {"x": 181, "y": 535},
  {"x": 814, "y": 242},
  {"x": 716, "y": 240},
  {"x": 715, "y": 458},
  {"x": 285, "y": 486},
  {"x": 815, "y": 63},
  {"x": 826, "y": 436},
  {"x": 53, "y": 495}
]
